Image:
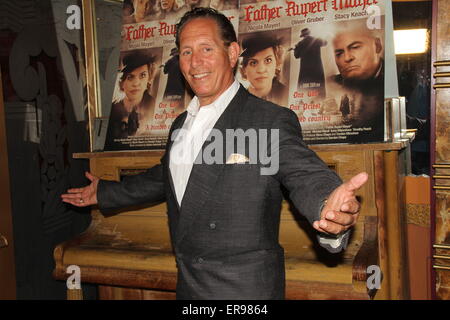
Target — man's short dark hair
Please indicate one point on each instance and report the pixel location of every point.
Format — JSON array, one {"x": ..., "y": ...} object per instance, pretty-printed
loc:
[{"x": 227, "y": 31}]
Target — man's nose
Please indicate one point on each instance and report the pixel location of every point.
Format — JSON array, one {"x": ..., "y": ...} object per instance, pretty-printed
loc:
[
  {"x": 348, "y": 56},
  {"x": 196, "y": 59}
]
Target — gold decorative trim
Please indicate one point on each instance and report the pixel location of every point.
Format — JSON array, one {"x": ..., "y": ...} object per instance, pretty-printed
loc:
[
  {"x": 91, "y": 62},
  {"x": 418, "y": 214}
]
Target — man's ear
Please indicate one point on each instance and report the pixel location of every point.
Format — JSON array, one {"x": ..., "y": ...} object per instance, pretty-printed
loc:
[
  {"x": 378, "y": 46},
  {"x": 233, "y": 53}
]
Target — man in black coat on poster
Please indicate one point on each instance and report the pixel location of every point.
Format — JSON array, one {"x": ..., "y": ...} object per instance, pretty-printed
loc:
[
  {"x": 311, "y": 76},
  {"x": 175, "y": 86}
]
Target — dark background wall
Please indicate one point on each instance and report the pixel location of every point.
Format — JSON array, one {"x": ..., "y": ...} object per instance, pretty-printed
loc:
[
  {"x": 414, "y": 77},
  {"x": 45, "y": 108}
]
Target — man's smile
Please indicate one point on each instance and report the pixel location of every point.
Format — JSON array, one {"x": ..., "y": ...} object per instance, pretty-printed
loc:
[{"x": 200, "y": 75}]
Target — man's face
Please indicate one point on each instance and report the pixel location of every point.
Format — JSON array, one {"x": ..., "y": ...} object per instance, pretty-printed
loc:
[
  {"x": 167, "y": 4},
  {"x": 260, "y": 69},
  {"x": 141, "y": 7},
  {"x": 357, "y": 55},
  {"x": 205, "y": 62},
  {"x": 135, "y": 83}
]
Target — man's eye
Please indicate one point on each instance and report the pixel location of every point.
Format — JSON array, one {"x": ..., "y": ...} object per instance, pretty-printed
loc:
[
  {"x": 186, "y": 52},
  {"x": 207, "y": 49}
]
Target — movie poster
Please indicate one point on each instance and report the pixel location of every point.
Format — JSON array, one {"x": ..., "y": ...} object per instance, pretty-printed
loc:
[
  {"x": 150, "y": 91},
  {"x": 322, "y": 59}
]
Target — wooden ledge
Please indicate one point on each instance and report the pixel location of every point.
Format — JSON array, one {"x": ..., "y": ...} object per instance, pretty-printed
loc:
[
  {"x": 397, "y": 145},
  {"x": 118, "y": 154}
]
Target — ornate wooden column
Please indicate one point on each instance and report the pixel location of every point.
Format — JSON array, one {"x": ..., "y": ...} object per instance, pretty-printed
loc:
[{"x": 440, "y": 151}]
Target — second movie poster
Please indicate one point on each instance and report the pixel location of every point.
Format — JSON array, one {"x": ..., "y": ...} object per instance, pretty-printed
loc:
[{"x": 322, "y": 59}]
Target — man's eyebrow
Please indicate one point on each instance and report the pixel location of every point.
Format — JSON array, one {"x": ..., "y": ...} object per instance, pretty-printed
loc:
[
  {"x": 354, "y": 42},
  {"x": 203, "y": 43},
  {"x": 348, "y": 46}
]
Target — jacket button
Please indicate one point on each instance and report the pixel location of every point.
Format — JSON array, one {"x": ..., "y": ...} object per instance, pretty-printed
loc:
[
  {"x": 200, "y": 260},
  {"x": 212, "y": 226}
]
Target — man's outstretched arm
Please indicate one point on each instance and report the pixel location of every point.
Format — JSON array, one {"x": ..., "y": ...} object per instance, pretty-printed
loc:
[
  {"x": 144, "y": 188},
  {"x": 329, "y": 205}
]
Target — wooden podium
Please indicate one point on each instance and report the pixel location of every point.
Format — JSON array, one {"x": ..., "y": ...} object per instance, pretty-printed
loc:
[{"x": 129, "y": 255}]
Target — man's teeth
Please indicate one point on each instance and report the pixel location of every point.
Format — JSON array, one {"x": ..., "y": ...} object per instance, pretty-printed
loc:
[{"x": 201, "y": 75}]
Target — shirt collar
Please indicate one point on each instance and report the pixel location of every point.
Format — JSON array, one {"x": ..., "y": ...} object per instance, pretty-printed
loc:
[{"x": 219, "y": 105}]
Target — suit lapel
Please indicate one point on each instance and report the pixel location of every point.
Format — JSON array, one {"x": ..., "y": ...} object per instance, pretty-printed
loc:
[{"x": 204, "y": 177}]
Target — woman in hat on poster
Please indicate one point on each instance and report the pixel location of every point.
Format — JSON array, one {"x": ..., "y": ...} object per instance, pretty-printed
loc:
[
  {"x": 262, "y": 60},
  {"x": 135, "y": 105}
]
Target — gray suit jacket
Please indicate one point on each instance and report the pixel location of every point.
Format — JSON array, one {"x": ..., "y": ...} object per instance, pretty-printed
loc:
[{"x": 225, "y": 233}]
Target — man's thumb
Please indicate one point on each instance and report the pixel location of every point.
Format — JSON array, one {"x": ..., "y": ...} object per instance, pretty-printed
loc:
[
  {"x": 357, "y": 181},
  {"x": 90, "y": 176}
]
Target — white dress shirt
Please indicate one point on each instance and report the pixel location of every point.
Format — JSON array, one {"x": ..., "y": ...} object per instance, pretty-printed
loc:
[{"x": 196, "y": 128}]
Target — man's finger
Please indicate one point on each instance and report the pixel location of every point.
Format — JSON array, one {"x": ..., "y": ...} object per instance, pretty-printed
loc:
[
  {"x": 73, "y": 202},
  {"x": 90, "y": 176},
  {"x": 71, "y": 196},
  {"x": 351, "y": 206},
  {"x": 341, "y": 218},
  {"x": 75, "y": 190},
  {"x": 356, "y": 182},
  {"x": 317, "y": 227},
  {"x": 331, "y": 227}
]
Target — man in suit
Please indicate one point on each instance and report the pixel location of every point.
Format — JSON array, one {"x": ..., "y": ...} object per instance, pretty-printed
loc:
[{"x": 224, "y": 217}]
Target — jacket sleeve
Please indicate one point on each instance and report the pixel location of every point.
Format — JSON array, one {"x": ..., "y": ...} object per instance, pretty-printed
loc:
[
  {"x": 142, "y": 189},
  {"x": 307, "y": 178},
  {"x": 147, "y": 188}
]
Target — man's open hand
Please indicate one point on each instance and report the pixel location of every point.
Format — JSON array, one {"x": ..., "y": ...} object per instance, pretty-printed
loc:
[
  {"x": 82, "y": 197},
  {"x": 341, "y": 210}
]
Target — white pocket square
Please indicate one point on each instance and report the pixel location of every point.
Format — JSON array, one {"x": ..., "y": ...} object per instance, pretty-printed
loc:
[{"x": 237, "y": 158}]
